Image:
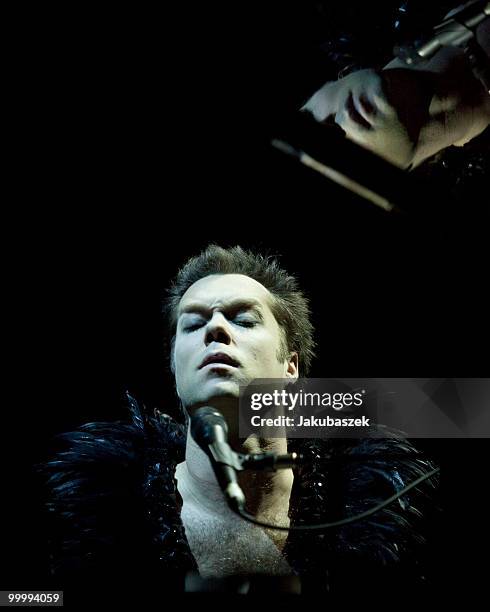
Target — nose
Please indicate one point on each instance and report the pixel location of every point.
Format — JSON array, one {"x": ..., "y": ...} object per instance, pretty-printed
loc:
[{"x": 217, "y": 330}]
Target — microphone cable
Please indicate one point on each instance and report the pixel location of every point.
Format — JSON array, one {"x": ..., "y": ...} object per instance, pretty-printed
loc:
[{"x": 241, "y": 511}]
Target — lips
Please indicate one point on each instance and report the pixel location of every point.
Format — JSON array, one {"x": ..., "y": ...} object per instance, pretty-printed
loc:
[
  {"x": 356, "y": 115},
  {"x": 219, "y": 359}
]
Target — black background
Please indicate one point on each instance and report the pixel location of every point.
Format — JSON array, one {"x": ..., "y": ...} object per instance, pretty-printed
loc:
[{"x": 143, "y": 138}]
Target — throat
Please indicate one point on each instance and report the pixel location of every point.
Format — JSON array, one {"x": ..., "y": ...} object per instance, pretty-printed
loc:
[
  {"x": 266, "y": 493},
  {"x": 240, "y": 547}
]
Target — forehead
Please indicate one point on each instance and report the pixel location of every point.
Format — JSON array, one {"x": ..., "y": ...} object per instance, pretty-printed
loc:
[{"x": 219, "y": 290}]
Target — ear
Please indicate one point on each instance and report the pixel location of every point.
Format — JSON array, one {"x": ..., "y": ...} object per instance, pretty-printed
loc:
[
  {"x": 172, "y": 355},
  {"x": 172, "y": 365},
  {"x": 292, "y": 370}
]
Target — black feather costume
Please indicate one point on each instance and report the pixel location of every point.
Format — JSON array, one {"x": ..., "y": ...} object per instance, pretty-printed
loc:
[{"x": 115, "y": 511}]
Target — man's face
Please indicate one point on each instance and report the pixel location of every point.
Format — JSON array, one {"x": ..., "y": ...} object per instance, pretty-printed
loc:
[{"x": 226, "y": 336}]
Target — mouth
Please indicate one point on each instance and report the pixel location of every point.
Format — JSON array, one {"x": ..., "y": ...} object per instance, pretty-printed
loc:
[
  {"x": 354, "y": 113},
  {"x": 219, "y": 359}
]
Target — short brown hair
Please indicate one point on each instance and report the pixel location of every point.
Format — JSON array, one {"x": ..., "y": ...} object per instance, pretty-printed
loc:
[{"x": 289, "y": 306}]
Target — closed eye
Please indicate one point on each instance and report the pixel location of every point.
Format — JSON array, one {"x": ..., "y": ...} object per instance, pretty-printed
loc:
[
  {"x": 193, "y": 326},
  {"x": 245, "y": 322}
]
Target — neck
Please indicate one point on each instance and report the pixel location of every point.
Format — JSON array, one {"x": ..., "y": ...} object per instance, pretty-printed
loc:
[{"x": 266, "y": 492}]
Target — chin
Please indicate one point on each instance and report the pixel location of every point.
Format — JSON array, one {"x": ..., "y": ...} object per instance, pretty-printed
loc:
[{"x": 218, "y": 389}]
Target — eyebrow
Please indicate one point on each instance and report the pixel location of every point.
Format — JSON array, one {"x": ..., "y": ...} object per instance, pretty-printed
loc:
[{"x": 234, "y": 305}]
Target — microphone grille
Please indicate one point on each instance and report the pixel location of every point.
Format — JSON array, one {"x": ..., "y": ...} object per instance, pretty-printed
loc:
[{"x": 203, "y": 421}]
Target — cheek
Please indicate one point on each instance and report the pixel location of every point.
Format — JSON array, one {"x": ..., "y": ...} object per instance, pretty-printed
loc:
[
  {"x": 265, "y": 349},
  {"x": 183, "y": 351}
]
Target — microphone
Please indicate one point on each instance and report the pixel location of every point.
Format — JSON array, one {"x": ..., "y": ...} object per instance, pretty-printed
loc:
[
  {"x": 210, "y": 431},
  {"x": 459, "y": 30},
  {"x": 456, "y": 30}
]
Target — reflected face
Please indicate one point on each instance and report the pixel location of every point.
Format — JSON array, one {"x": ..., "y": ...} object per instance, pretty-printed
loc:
[{"x": 226, "y": 336}]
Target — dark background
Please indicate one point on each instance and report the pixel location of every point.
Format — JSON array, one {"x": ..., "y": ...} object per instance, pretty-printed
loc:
[{"x": 145, "y": 137}]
